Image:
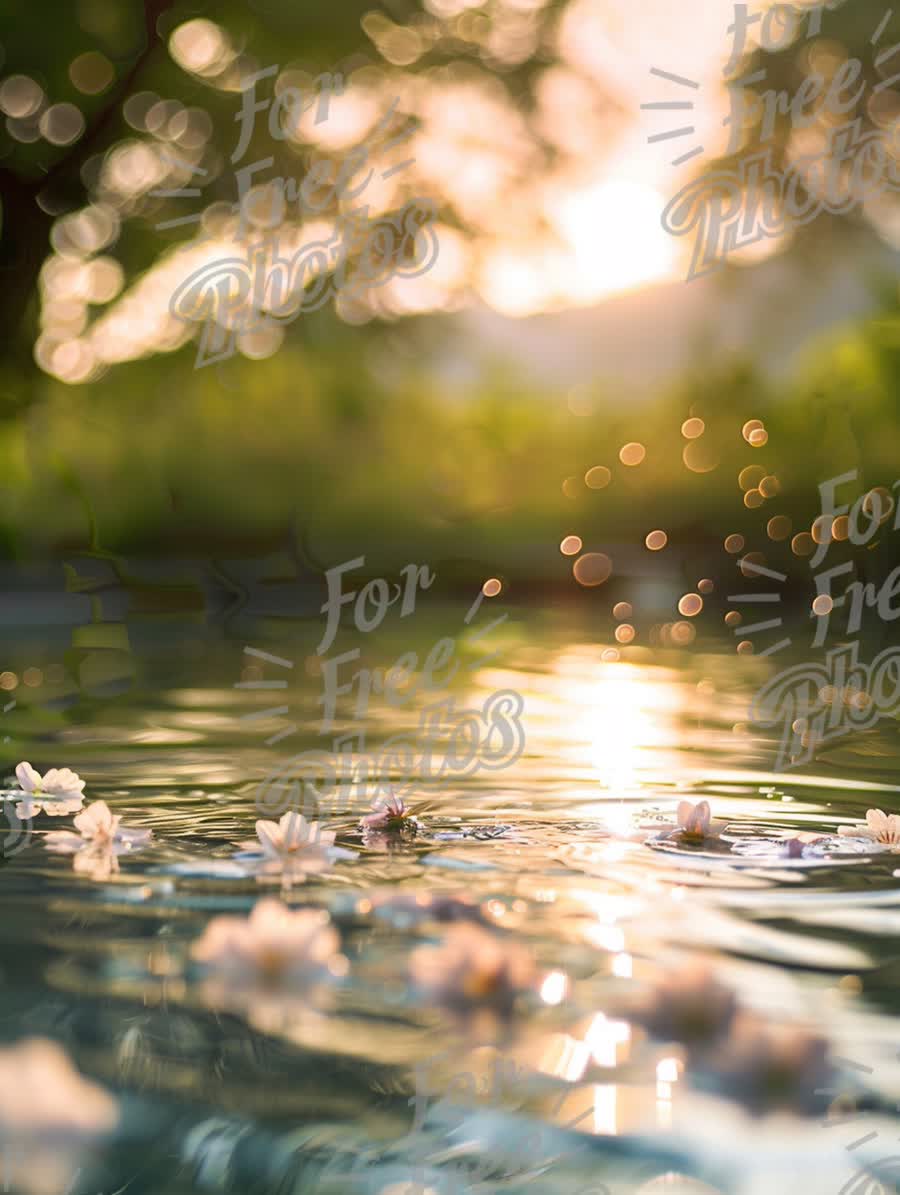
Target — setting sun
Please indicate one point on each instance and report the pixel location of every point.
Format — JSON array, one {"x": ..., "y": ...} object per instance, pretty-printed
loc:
[{"x": 616, "y": 236}]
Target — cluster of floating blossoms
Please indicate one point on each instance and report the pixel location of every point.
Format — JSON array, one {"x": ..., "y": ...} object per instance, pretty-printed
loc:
[
  {"x": 763, "y": 1065},
  {"x": 98, "y": 839},
  {"x": 277, "y": 963},
  {"x": 292, "y": 849},
  {"x": 57, "y": 792},
  {"x": 695, "y": 827}
]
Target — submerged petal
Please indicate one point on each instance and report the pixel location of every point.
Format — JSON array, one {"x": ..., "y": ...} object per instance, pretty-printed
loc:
[
  {"x": 63, "y": 841},
  {"x": 97, "y": 821}
]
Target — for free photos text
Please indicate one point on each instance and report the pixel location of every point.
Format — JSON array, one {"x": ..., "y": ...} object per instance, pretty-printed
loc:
[
  {"x": 236, "y": 295},
  {"x": 727, "y": 210},
  {"x": 447, "y": 743},
  {"x": 821, "y": 700}
]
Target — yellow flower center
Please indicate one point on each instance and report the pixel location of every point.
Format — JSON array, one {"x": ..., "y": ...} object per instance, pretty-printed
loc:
[
  {"x": 481, "y": 983},
  {"x": 271, "y": 961}
]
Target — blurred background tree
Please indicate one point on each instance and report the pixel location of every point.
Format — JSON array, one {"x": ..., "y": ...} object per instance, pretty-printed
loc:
[{"x": 513, "y": 116}]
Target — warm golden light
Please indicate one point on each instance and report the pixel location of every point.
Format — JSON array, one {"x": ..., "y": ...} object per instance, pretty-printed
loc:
[
  {"x": 592, "y": 569},
  {"x": 632, "y": 454},
  {"x": 598, "y": 477}
]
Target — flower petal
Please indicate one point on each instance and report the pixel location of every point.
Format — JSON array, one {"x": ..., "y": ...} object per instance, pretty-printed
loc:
[
  {"x": 269, "y": 835},
  {"x": 97, "y": 820},
  {"x": 63, "y": 841},
  {"x": 876, "y": 820},
  {"x": 685, "y": 812},
  {"x": 62, "y": 782},
  {"x": 29, "y": 779}
]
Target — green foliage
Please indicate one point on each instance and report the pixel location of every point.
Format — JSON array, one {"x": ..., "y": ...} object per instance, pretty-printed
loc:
[{"x": 310, "y": 444}]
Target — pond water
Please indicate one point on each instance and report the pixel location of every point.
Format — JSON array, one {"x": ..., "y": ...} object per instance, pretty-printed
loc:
[{"x": 372, "y": 1083}]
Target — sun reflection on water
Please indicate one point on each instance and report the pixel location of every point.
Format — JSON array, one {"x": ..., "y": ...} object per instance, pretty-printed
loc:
[{"x": 624, "y": 726}]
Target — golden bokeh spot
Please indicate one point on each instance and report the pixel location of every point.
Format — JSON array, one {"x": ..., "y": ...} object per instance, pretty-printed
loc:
[
  {"x": 91, "y": 73},
  {"x": 632, "y": 453},
  {"x": 749, "y": 560},
  {"x": 878, "y": 503},
  {"x": 593, "y": 568},
  {"x": 779, "y": 527},
  {"x": 692, "y": 428},
  {"x": 821, "y": 529},
  {"x": 597, "y": 478},
  {"x": 700, "y": 456},
  {"x": 690, "y": 605},
  {"x": 682, "y": 633},
  {"x": 750, "y": 477}
]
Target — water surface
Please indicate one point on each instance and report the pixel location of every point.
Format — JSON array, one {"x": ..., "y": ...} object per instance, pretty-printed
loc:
[{"x": 279, "y": 1095}]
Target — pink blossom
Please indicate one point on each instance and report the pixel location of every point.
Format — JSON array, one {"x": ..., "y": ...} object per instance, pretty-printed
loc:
[
  {"x": 389, "y": 814},
  {"x": 473, "y": 967},
  {"x": 292, "y": 847}
]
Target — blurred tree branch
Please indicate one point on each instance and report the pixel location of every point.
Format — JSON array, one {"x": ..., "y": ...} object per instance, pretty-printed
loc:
[{"x": 30, "y": 205}]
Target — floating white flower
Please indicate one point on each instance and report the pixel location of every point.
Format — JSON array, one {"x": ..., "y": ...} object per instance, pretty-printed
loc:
[
  {"x": 695, "y": 822},
  {"x": 274, "y": 954},
  {"x": 98, "y": 827},
  {"x": 274, "y": 942},
  {"x": 473, "y": 968},
  {"x": 49, "y": 1115},
  {"x": 62, "y": 785},
  {"x": 99, "y": 841},
  {"x": 292, "y": 847},
  {"x": 688, "y": 1005},
  {"x": 693, "y": 825},
  {"x": 880, "y": 827}
]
